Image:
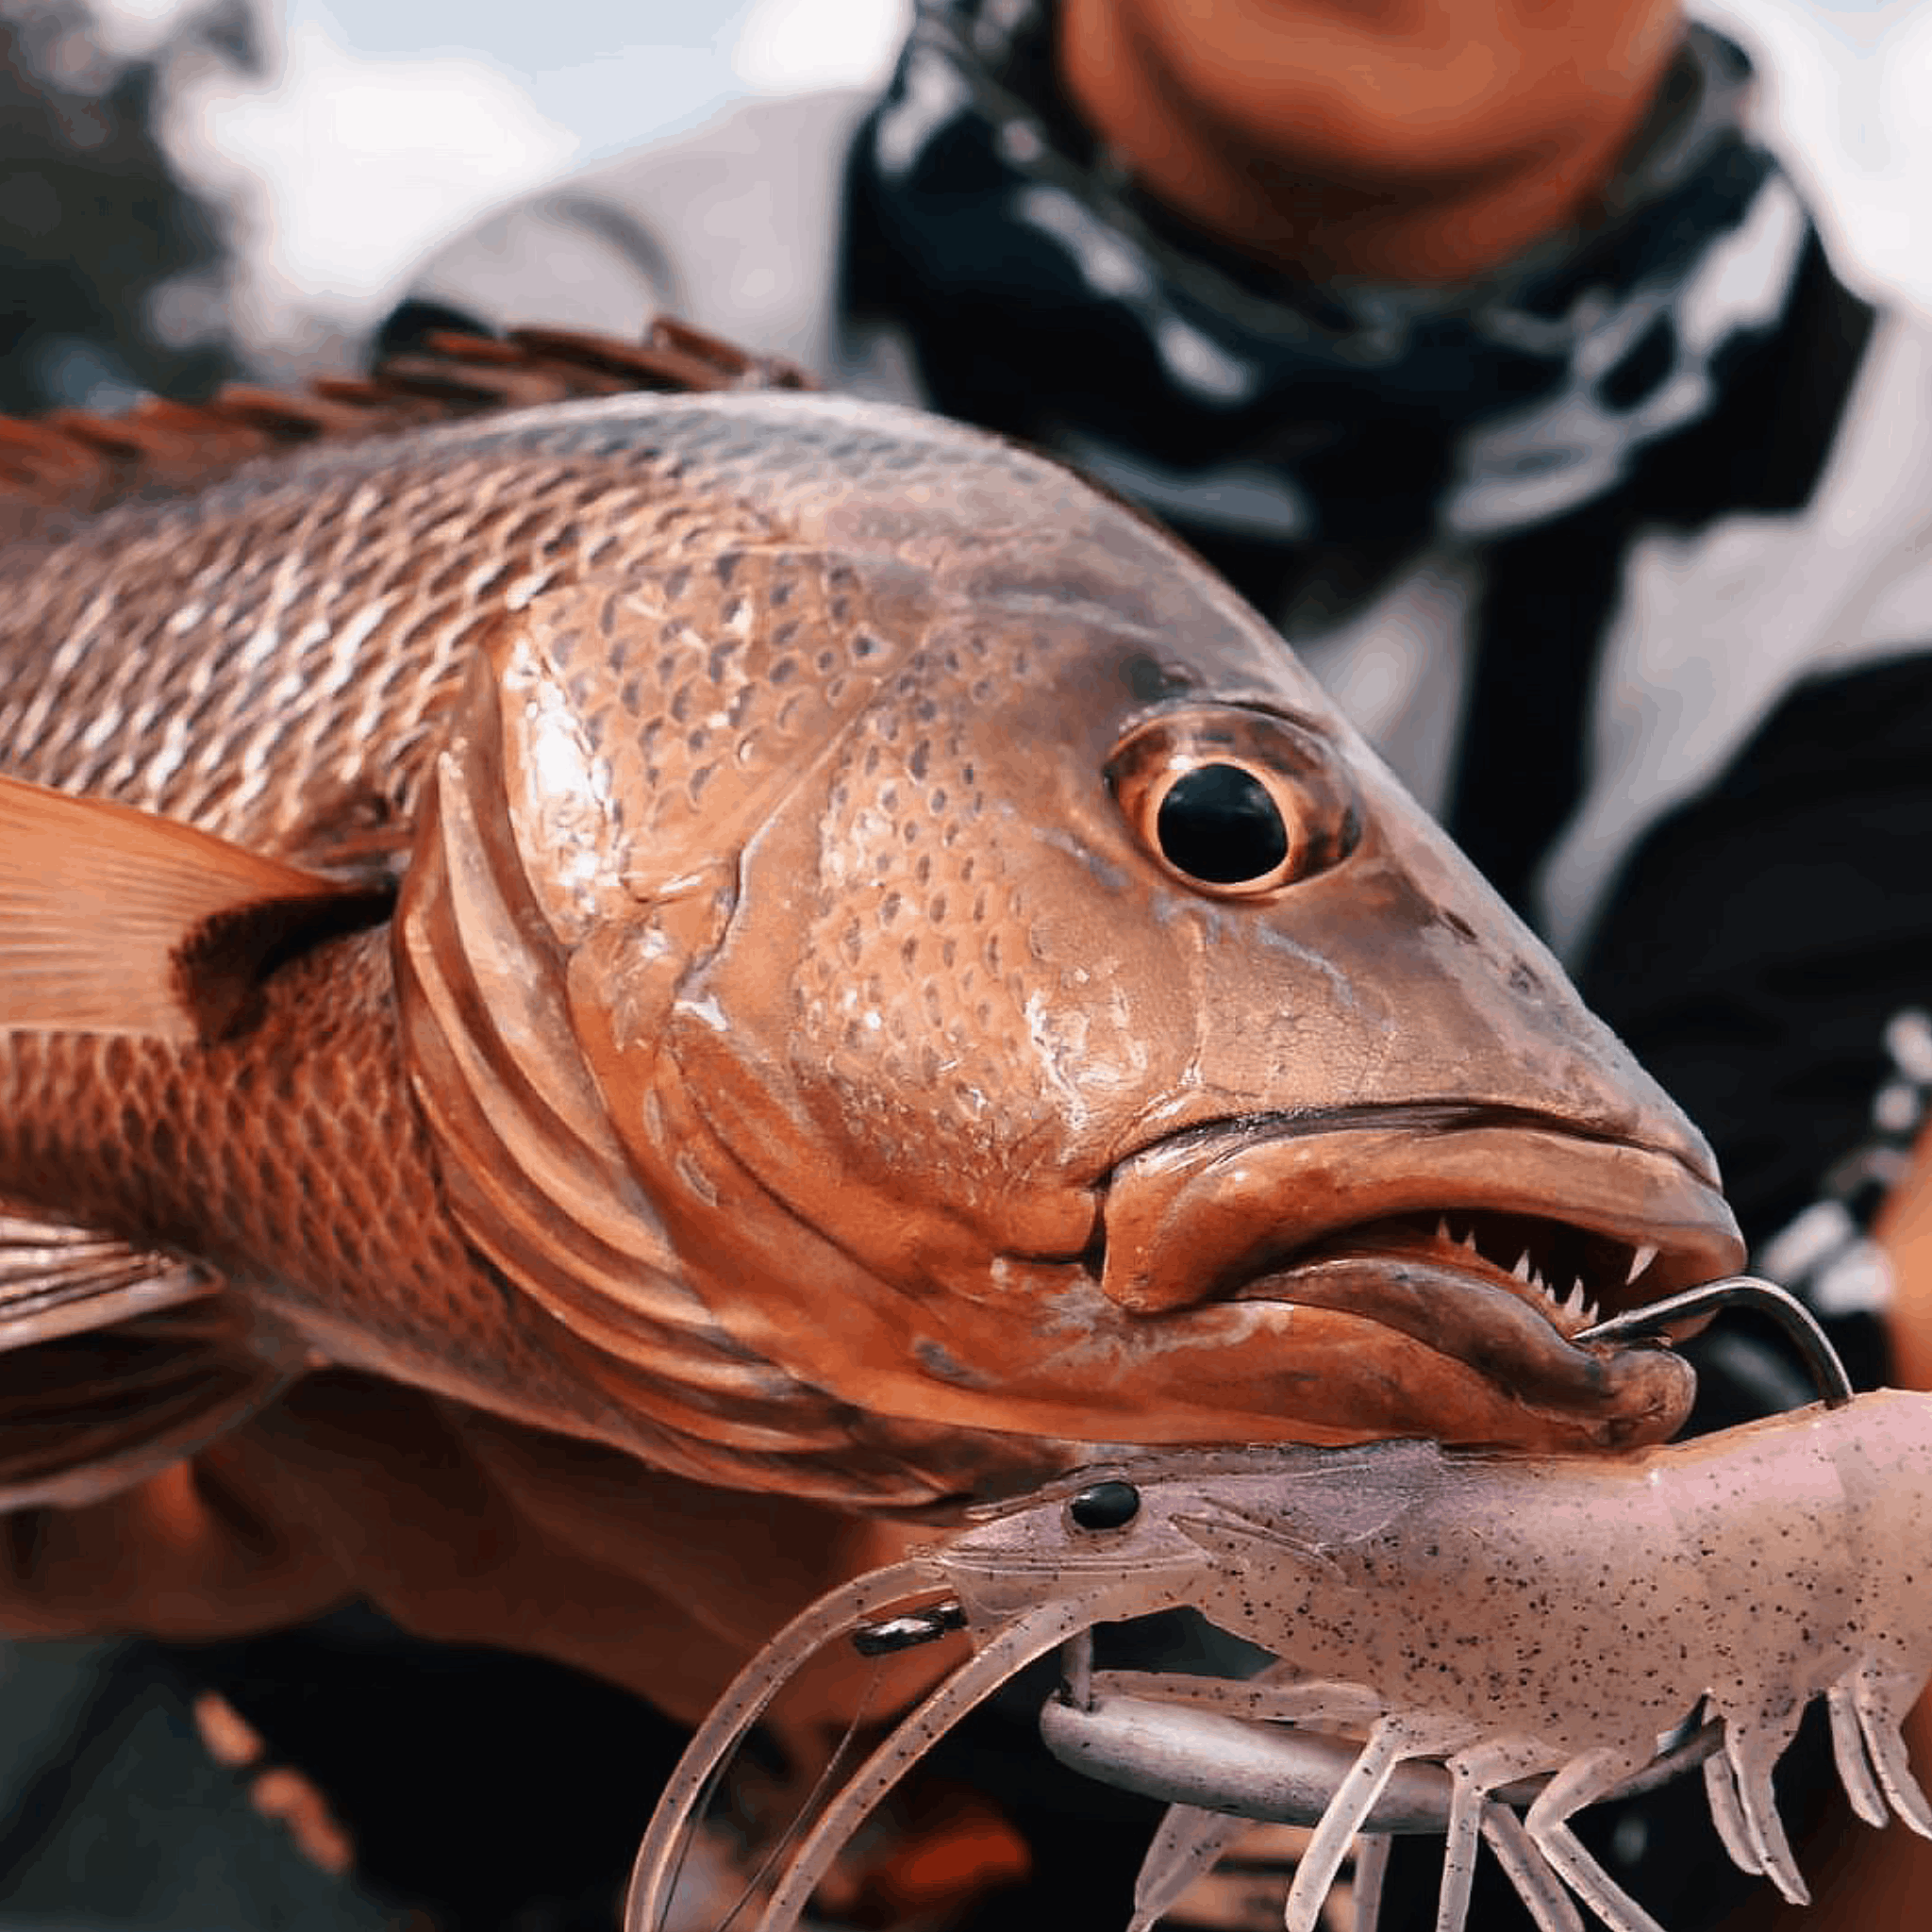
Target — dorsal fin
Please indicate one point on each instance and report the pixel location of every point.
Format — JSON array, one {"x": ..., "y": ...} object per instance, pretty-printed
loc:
[
  {"x": 70, "y": 463},
  {"x": 116, "y": 921}
]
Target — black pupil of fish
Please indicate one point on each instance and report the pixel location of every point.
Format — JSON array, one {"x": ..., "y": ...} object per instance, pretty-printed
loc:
[
  {"x": 1105, "y": 1505},
  {"x": 1219, "y": 824}
]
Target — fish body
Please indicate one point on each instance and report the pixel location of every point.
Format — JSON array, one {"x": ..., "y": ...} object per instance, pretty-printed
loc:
[{"x": 788, "y": 940}]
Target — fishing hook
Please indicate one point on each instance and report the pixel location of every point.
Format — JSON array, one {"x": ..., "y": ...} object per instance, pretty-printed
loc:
[
  {"x": 1828, "y": 1374},
  {"x": 1278, "y": 1775}
]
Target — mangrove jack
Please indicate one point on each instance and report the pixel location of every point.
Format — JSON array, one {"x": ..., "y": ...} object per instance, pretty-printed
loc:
[{"x": 785, "y": 938}]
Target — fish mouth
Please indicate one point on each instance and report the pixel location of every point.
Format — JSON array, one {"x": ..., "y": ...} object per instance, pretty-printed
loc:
[{"x": 1463, "y": 1246}]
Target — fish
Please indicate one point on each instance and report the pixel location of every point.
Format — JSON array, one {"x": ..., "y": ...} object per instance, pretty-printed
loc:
[{"x": 773, "y": 938}]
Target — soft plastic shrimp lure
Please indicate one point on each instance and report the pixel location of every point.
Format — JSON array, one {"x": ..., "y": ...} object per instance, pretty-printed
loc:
[{"x": 1469, "y": 1610}]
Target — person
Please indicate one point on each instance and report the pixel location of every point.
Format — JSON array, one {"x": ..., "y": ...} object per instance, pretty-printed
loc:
[{"x": 1489, "y": 348}]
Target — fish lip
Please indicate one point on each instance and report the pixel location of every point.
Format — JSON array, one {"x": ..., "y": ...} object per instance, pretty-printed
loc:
[{"x": 1193, "y": 1218}]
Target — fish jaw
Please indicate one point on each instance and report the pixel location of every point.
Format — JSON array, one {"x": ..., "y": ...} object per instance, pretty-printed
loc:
[
  {"x": 1348, "y": 1320},
  {"x": 1485, "y": 1243}
]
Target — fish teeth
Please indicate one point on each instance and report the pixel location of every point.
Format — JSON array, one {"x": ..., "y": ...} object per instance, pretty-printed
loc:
[
  {"x": 1520, "y": 1270},
  {"x": 1469, "y": 1241},
  {"x": 1442, "y": 1233},
  {"x": 1574, "y": 1303},
  {"x": 1640, "y": 1261}
]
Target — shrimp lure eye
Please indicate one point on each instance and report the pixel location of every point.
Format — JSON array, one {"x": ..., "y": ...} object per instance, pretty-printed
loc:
[{"x": 1104, "y": 1505}]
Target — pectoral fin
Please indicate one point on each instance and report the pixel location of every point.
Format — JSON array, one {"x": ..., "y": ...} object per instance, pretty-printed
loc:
[
  {"x": 56, "y": 1280},
  {"x": 113, "y": 1363},
  {"x": 117, "y": 921}
]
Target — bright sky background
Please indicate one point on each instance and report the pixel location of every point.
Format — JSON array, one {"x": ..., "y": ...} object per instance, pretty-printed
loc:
[{"x": 389, "y": 122}]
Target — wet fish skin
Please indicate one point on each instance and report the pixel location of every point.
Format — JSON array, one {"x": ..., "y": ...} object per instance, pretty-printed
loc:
[{"x": 651, "y": 709}]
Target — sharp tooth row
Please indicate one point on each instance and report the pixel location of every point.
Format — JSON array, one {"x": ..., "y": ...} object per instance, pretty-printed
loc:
[{"x": 1575, "y": 1305}]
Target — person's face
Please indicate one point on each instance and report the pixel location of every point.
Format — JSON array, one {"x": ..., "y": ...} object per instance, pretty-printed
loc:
[{"x": 1382, "y": 93}]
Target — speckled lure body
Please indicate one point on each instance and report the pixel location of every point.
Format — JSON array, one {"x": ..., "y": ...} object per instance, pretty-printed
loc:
[{"x": 1510, "y": 1616}]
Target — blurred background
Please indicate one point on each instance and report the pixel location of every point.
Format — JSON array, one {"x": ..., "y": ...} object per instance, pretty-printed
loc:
[
  {"x": 316, "y": 148},
  {"x": 255, "y": 176}
]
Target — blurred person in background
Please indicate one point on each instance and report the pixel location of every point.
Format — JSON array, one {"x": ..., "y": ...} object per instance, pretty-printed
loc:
[{"x": 1488, "y": 348}]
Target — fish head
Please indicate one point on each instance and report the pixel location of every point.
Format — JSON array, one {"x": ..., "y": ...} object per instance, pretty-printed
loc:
[{"x": 1035, "y": 1014}]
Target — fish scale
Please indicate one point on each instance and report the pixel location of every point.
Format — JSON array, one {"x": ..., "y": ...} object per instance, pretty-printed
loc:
[{"x": 910, "y": 821}]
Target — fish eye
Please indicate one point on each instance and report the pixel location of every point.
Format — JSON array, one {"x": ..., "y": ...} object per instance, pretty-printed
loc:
[
  {"x": 1236, "y": 804},
  {"x": 1219, "y": 824},
  {"x": 1109, "y": 1505}
]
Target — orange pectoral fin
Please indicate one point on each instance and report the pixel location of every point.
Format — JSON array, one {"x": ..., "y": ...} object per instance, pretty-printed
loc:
[
  {"x": 115, "y": 1363},
  {"x": 118, "y": 921}
]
